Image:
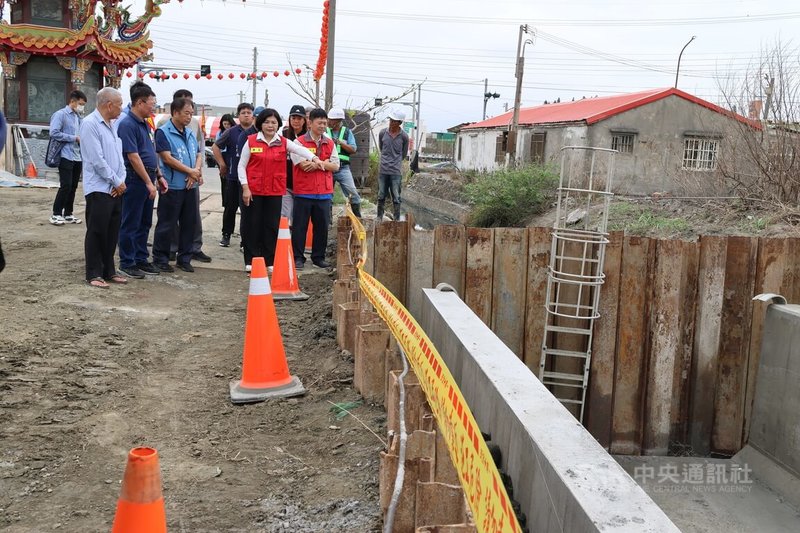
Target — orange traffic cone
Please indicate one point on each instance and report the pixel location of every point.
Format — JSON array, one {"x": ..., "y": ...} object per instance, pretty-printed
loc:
[
  {"x": 265, "y": 373},
  {"x": 140, "y": 508},
  {"x": 30, "y": 170},
  {"x": 285, "y": 285},
  {"x": 309, "y": 237}
]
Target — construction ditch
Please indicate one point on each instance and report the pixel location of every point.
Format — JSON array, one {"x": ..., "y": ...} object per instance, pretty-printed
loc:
[{"x": 595, "y": 490}]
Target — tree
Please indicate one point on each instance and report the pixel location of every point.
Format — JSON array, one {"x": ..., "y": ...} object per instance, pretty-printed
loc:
[{"x": 769, "y": 94}]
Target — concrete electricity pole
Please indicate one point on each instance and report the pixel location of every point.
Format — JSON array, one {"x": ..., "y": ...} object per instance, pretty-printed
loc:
[
  {"x": 511, "y": 146},
  {"x": 255, "y": 72},
  {"x": 241, "y": 96},
  {"x": 419, "y": 118},
  {"x": 331, "y": 41}
]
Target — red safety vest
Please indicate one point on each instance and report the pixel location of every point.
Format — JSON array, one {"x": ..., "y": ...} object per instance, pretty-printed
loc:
[
  {"x": 266, "y": 169},
  {"x": 316, "y": 181}
]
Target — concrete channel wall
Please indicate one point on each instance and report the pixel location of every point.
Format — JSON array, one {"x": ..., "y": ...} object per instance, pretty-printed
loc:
[
  {"x": 775, "y": 430},
  {"x": 562, "y": 478}
]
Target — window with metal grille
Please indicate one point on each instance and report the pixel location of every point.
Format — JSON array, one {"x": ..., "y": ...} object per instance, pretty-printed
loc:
[
  {"x": 700, "y": 153},
  {"x": 622, "y": 142}
]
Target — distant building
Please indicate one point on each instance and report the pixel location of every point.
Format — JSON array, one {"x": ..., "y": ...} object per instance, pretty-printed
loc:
[{"x": 666, "y": 138}]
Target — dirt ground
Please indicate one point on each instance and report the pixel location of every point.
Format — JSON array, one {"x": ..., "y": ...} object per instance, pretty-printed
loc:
[{"x": 86, "y": 374}]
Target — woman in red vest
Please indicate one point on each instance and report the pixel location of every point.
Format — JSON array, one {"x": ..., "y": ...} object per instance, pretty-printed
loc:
[{"x": 262, "y": 173}]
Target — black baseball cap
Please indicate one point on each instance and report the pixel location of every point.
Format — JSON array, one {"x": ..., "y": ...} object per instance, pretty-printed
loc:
[{"x": 298, "y": 110}]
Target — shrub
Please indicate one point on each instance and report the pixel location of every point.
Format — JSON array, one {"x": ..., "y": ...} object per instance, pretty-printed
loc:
[{"x": 510, "y": 197}]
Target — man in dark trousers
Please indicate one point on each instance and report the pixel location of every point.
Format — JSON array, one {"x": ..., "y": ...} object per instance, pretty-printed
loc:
[
  {"x": 64, "y": 128},
  {"x": 104, "y": 177},
  {"x": 196, "y": 128},
  {"x": 393, "y": 144},
  {"x": 142, "y": 175},
  {"x": 228, "y": 163},
  {"x": 3, "y": 129},
  {"x": 181, "y": 164},
  {"x": 313, "y": 191}
]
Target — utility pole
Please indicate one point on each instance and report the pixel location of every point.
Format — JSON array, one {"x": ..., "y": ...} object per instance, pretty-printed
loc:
[
  {"x": 255, "y": 72},
  {"x": 485, "y": 92},
  {"x": 331, "y": 41},
  {"x": 241, "y": 96},
  {"x": 511, "y": 145},
  {"x": 770, "y": 89},
  {"x": 414, "y": 119},
  {"x": 266, "y": 97},
  {"x": 678, "y": 70},
  {"x": 419, "y": 116}
]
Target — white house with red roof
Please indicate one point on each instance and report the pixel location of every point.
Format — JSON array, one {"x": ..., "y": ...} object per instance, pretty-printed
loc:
[{"x": 665, "y": 138}]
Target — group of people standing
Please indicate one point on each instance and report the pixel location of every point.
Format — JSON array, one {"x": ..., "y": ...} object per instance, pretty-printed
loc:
[{"x": 268, "y": 171}]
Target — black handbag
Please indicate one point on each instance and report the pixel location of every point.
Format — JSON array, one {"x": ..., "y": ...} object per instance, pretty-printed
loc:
[{"x": 53, "y": 156}]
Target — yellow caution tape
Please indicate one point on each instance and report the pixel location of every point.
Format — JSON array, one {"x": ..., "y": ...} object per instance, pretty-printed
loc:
[{"x": 480, "y": 479}]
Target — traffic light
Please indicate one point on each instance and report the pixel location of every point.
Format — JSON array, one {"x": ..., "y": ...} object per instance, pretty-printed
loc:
[{"x": 205, "y": 70}]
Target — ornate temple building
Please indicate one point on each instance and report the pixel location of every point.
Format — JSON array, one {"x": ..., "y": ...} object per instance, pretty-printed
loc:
[{"x": 51, "y": 47}]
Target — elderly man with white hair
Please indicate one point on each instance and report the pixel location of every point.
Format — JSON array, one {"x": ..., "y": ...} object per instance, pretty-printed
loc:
[{"x": 103, "y": 186}]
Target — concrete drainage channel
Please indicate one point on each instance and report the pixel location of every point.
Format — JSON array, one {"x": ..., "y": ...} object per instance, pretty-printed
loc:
[{"x": 559, "y": 476}]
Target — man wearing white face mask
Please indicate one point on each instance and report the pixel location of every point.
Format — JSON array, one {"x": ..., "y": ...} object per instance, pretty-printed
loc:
[{"x": 65, "y": 125}]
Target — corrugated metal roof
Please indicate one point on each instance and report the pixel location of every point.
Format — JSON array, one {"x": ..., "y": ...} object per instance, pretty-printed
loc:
[{"x": 592, "y": 110}]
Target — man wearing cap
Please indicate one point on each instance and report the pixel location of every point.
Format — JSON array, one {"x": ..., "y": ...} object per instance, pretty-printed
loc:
[
  {"x": 345, "y": 147},
  {"x": 393, "y": 145}
]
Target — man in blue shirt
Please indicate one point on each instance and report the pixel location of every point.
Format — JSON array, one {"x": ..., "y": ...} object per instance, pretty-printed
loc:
[
  {"x": 346, "y": 147},
  {"x": 64, "y": 127},
  {"x": 141, "y": 176},
  {"x": 228, "y": 163},
  {"x": 103, "y": 186},
  {"x": 181, "y": 164}
]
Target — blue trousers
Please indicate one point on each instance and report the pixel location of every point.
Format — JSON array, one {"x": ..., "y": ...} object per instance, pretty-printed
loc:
[
  {"x": 344, "y": 177},
  {"x": 137, "y": 219},
  {"x": 389, "y": 184}
]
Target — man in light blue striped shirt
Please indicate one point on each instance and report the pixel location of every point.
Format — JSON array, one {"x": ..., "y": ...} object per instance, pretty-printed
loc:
[
  {"x": 103, "y": 186},
  {"x": 64, "y": 126}
]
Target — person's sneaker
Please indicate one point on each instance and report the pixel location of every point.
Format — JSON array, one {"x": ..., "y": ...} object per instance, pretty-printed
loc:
[
  {"x": 133, "y": 272},
  {"x": 69, "y": 219},
  {"x": 200, "y": 256},
  {"x": 225, "y": 241},
  {"x": 186, "y": 267},
  {"x": 148, "y": 268},
  {"x": 322, "y": 264},
  {"x": 57, "y": 220},
  {"x": 173, "y": 256},
  {"x": 299, "y": 264},
  {"x": 163, "y": 267}
]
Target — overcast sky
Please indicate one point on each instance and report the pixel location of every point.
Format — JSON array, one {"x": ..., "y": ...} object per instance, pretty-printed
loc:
[{"x": 580, "y": 48}]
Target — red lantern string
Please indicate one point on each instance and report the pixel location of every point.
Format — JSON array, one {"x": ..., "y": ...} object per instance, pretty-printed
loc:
[
  {"x": 208, "y": 76},
  {"x": 174, "y": 76},
  {"x": 276, "y": 73},
  {"x": 230, "y": 75},
  {"x": 219, "y": 76},
  {"x": 186, "y": 76},
  {"x": 323, "y": 47},
  {"x": 197, "y": 76}
]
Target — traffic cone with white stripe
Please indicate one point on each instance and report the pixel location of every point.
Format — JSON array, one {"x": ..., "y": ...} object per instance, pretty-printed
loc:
[
  {"x": 265, "y": 372},
  {"x": 285, "y": 284}
]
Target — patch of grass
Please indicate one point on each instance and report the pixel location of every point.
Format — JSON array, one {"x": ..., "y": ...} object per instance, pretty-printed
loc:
[
  {"x": 650, "y": 222},
  {"x": 623, "y": 209},
  {"x": 753, "y": 224},
  {"x": 510, "y": 197}
]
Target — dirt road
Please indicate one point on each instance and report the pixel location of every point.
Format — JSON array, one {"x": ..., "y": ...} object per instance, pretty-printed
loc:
[{"x": 86, "y": 374}]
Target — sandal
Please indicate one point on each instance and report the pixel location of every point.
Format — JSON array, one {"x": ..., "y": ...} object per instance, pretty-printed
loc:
[
  {"x": 100, "y": 283},
  {"x": 118, "y": 278}
]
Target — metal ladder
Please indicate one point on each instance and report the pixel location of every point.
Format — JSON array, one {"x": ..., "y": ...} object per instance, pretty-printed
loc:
[{"x": 575, "y": 274}]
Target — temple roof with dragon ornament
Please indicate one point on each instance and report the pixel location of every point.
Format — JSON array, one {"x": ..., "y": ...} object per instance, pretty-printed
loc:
[{"x": 91, "y": 35}]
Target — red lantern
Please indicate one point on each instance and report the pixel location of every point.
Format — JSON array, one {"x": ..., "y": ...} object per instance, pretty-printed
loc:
[
  {"x": 208, "y": 76},
  {"x": 197, "y": 76},
  {"x": 141, "y": 75},
  {"x": 276, "y": 73},
  {"x": 165, "y": 76},
  {"x": 298, "y": 71},
  {"x": 230, "y": 75},
  {"x": 220, "y": 76},
  {"x": 128, "y": 74},
  {"x": 243, "y": 75},
  {"x": 254, "y": 75},
  {"x": 152, "y": 75},
  {"x": 286, "y": 72},
  {"x": 186, "y": 76},
  {"x": 174, "y": 76}
]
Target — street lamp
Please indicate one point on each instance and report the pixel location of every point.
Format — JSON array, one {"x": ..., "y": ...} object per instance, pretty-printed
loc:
[{"x": 678, "y": 70}]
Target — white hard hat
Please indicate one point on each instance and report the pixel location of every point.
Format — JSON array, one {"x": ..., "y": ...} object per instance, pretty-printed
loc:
[
  {"x": 397, "y": 115},
  {"x": 336, "y": 114}
]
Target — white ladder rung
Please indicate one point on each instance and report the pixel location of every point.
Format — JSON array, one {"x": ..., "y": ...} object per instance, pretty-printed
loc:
[
  {"x": 563, "y": 375},
  {"x": 566, "y": 353},
  {"x": 564, "y": 329}
]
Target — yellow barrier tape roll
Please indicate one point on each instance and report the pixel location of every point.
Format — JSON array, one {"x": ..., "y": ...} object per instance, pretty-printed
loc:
[{"x": 480, "y": 479}]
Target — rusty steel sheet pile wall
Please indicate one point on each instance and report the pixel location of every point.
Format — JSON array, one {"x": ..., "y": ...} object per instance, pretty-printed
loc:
[{"x": 676, "y": 348}]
